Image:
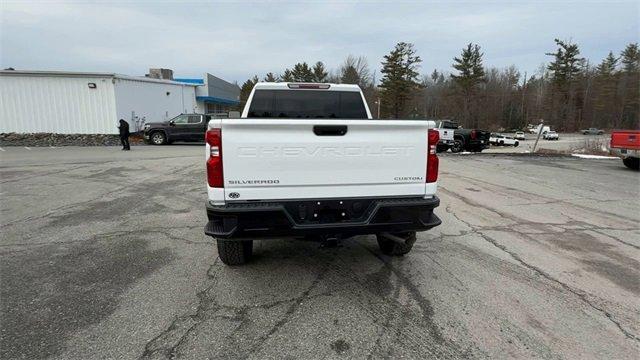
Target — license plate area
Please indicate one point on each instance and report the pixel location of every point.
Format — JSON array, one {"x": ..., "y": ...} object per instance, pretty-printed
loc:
[{"x": 329, "y": 211}]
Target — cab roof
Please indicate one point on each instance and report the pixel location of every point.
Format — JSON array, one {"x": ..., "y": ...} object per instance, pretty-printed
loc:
[{"x": 306, "y": 86}]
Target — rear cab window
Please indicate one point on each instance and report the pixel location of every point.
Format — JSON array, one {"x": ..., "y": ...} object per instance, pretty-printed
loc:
[{"x": 307, "y": 104}]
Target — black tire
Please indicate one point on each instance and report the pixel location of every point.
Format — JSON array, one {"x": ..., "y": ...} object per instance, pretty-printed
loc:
[
  {"x": 516, "y": 144},
  {"x": 441, "y": 148},
  {"x": 390, "y": 247},
  {"x": 458, "y": 146},
  {"x": 158, "y": 138},
  {"x": 632, "y": 163},
  {"x": 235, "y": 252}
]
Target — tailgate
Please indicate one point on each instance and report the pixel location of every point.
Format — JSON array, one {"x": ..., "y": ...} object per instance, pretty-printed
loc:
[
  {"x": 446, "y": 135},
  {"x": 626, "y": 139},
  {"x": 269, "y": 159}
]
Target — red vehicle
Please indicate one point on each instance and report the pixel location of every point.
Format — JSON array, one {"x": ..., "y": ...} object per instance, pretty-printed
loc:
[{"x": 626, "y": 145}]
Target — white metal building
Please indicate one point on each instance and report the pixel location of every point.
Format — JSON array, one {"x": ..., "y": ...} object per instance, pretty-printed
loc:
[{"x": 87, "y": 103}]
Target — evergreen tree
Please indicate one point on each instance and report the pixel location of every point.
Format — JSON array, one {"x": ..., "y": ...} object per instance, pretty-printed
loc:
[
  {"x": 470, "y": 76},
  {"x": 400, "y": 78},
  {"x": 630, "y": 87},
  {"x": 608, "y": 65},
  {"x": 320, "y": 73},
  {"x": 435, "y": 75},
  {"x": 270, "y": 77},
  {"x": 566, "y": 63},
  {"x": 302, "y": 73},
  {"x": 470, "y": 69},
  {"x": 287, "y": 76},
  {"x": 349, "y": 75},
  {"x": 246, "y": 88},
  {"x": 631, "y": 58},
  {"x": 565, "y": 69},
  {"x": 606, "y": 83}
]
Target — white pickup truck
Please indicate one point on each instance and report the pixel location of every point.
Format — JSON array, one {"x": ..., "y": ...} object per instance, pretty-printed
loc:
[
  {"x": 446, "y": 130},
  {"x": 306, "y": 160}
]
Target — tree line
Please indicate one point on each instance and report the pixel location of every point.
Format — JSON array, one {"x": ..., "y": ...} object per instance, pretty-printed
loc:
[{"x": 568, "y": 92}]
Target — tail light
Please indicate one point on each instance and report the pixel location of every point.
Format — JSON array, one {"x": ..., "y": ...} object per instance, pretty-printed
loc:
[
  {"x": 214, "y": 162},
  {"x": 432, "y": 158},
  {"x": 473, "y": 134}
]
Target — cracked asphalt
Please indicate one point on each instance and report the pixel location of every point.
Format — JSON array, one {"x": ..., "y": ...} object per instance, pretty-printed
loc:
[{"x": 102, "y": 255}]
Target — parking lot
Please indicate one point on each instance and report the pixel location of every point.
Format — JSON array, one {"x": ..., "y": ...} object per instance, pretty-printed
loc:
[
  {"x": 566, "y": 142},
  {"x": 102, "y": 254}
]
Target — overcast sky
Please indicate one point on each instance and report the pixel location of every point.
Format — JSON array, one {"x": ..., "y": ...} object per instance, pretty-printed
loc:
[{"x": 236, "y": 40}]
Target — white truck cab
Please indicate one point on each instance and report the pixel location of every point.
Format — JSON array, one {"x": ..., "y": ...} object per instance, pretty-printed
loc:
[{"x": 307, "y": 160}]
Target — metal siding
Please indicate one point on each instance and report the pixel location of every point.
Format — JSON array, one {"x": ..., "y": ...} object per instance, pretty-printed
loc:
[
  {"x": 219, "y": 88},
  {"x": 56, "y": 104},
  {"x": 149, "y": 100}
]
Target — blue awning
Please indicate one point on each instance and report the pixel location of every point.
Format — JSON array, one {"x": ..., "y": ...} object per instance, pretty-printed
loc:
[
  {"x": 190, "y": 81},
  {"x": 216, "y": 100}
]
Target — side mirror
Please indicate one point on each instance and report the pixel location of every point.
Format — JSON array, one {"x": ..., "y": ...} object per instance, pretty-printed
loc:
[
  {"x": 234, "y": 114},
  {"x": 172, "y": 123}
]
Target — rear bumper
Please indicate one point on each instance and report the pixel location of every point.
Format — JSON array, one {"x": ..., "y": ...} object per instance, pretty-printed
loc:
[
  {"x": 625, "y": 153},
  {"x": 345, "y": 217},
  {"x": 478, "y": 144}
]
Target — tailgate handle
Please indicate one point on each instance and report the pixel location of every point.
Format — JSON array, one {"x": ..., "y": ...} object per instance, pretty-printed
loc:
[{"x": 330, "y": 130}]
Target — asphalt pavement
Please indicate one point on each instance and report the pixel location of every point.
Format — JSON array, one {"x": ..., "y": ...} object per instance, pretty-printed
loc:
[
  {"x": 102, "y": 255},
  {"x": 566, "y": 143}
]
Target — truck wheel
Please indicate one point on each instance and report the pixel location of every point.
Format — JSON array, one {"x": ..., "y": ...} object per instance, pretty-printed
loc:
[
  {"x": 516, "y": 144},
  {"x": 235, "y": 252},
  {"x": 632, "y": 163},
  {"x": 457, "y": 146},
  {"x": 391, "y": 247},
  {"x": 158, "y": 138}
]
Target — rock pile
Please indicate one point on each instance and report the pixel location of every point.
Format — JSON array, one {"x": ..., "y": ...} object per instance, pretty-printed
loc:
[{"x": 51, "y": 139}]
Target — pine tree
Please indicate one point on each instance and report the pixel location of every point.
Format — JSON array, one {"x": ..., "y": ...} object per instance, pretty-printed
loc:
[
  {"x": 435, "y": 75},
  {"x": 606, "y": 81},
  {"x": 400, "y": 78},
  {"x": 608, "y": 65},
  {"x": 320, "y": 73},
  {"x": 630, "y": 86},
  {"x": 287, "y": 76},
  {"x": 270, "y": 77},
  {"x": 565, "y": 70},
  {"x": 349, "y": 75},
  {"x": 302, "y": 73},
  {"x": 469, "y": 66},
  {"x": 566, "y": 64},
  {"x": 470, "y": 76},
  {"x": 631, "y": 58},
  {"x": 246, "y": 88}
]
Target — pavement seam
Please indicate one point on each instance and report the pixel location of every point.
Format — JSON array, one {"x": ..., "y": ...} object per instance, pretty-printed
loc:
[
  {"x": 426, "y": 309},
  {"x": 204, "y": 305},
  {"x": 580, "y": 294}
]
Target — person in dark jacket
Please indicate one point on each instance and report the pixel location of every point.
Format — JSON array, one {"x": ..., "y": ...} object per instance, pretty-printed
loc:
[{"x": 124, "y": 134}]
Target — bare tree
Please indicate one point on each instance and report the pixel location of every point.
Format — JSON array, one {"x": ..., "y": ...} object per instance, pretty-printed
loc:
[{"x": 355, "y": 70}]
